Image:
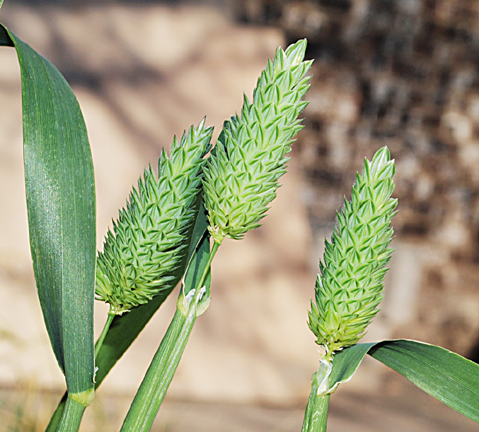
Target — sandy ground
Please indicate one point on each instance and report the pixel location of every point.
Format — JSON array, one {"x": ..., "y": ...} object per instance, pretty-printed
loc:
[
  {"x": 143, "y": 74},
  {"x": 397, "y": 408}
]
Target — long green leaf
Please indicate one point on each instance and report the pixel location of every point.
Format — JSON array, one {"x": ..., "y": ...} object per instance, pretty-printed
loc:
[
  {"x": 61, "y": 211},
  {"x": 346, "y": 363},
  {"x": 447, "y": 376}
]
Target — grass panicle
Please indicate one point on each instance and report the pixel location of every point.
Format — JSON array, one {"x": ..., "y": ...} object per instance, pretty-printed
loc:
[
  {"x": 350, "y": 285},
  {"x": 148, "y": 242},
  {"x": 242, "y": 174}
]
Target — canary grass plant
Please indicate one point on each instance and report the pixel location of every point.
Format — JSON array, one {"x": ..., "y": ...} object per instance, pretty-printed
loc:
[{"x": 174, "y": 222}]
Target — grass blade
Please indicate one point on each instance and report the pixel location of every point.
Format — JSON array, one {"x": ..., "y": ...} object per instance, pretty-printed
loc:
[
  {"x": 61, "y": 212},
  {"x": 445, "y": 375},
  {"x": 125, "y": 328},
  {"x": 346, "y": 363}
]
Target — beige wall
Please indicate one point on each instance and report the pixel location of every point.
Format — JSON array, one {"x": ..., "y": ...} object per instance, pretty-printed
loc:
[{"x": 142, "y": 74}]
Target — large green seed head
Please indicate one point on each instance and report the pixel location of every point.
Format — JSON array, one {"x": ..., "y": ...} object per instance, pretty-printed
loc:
[
  {"x": 148, "y": 241},
  {"x": 242, "y": 174},
  {"x": 350, "y": 285}
]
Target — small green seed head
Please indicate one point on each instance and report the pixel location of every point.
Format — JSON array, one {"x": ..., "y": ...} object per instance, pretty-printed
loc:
[
  {"x": 350, "y": 285},
  {"x": 148, "y": 242},
  {"x": 242, "y": 174}
]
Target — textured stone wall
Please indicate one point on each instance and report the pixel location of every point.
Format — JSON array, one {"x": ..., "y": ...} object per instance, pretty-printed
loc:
[{"x": 404, "y": 74}]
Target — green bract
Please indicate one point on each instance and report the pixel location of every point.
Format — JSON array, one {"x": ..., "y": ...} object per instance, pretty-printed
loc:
[
  {"x": 350, "y": 284},
  {"x": 242, "y": 174},
  {"x": 148, "y": 242}
]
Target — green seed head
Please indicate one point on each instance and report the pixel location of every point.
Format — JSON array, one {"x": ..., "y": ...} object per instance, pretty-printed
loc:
[
  {"x": 242, "y": 174},
  {"x": 148, "y": 241},
  {"x": 350, "y": 285}
]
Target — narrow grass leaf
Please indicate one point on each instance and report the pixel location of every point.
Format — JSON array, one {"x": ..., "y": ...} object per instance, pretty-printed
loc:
[
  {"x": 61, "y": 212},
  {"x": 199, "y": 259},
  {"x": 346, "y": 363},
  {"x": 156, "y": 382},
  {"x": 445, "y": 375},
  {"x": 125, "y": 328}
]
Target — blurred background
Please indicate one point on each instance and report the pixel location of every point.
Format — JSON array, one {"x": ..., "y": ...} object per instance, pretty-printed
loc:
[{"x": 401, "y": 73}]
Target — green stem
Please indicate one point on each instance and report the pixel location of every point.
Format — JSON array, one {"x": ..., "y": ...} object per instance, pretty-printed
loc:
[
  {"x": 316, "y": 414},
  {"x": 71, "y": 416},
  {"x": 104, "y": 332},
  {"x": 153, "y": 389},
  {"x": 159, "y": 375}
]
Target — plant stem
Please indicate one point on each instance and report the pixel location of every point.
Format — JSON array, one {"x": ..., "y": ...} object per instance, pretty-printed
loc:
[
  {"x": 104, "y": 332},
  {"x": 153, "y": 389},
  {"x": 159, "y": 375},
  {"x": 71, "y": 416},
  {"x": 316, "y": 414}
]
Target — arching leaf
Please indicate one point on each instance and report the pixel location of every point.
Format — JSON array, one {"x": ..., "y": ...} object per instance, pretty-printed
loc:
[{"x": 447, "y": 376}]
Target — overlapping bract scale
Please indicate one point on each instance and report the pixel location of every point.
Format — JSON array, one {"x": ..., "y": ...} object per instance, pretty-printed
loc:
[
  {"x": 242, "y": 174},
  {"x": 349, "y": 287},
  {"x": 148, "y": 242}
]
